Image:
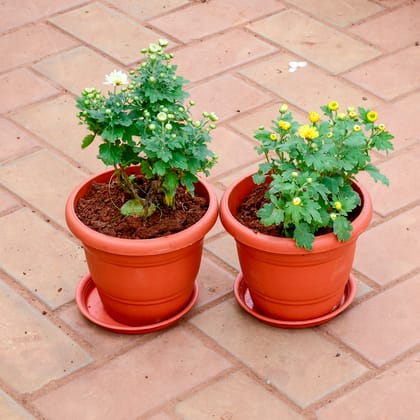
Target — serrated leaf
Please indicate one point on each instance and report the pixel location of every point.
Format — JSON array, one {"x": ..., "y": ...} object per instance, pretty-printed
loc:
[
  {"x": 188, "y": 180},
  {"x": 159, "y": 168},
  {"x": 88, "y": 140},
  {"x": 374, "y": 172},
  {"x": 382, "y": 141},
  {"x": 342, "y": 228},
  {"x": 270, "y": 215},
  {"x": 110, "y": 154},
  {"x": 303, "y": 236}
]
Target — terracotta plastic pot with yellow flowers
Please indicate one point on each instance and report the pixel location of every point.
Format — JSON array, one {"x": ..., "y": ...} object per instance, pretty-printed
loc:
[
  {"x": 142, "y": 223},
  {"x": 296, "y": 221}
]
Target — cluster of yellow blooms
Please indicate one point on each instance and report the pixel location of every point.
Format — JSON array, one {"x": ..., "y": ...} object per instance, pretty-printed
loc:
[{"x": 310, "y": 132}]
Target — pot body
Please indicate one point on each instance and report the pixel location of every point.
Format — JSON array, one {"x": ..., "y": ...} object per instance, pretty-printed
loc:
[
  {"x": 142, "y": 281},
  {"x": 284, "y": 281}
]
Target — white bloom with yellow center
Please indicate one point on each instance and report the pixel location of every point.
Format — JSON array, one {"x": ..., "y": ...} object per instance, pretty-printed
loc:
[{"x": 116, "y": 78}]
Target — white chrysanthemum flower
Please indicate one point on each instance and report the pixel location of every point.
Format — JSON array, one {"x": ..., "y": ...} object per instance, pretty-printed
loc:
[{"x": 116, "y": 78}]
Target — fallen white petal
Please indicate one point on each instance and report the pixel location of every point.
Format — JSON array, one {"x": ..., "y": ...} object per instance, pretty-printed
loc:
[{"x": 292, "y": 69}]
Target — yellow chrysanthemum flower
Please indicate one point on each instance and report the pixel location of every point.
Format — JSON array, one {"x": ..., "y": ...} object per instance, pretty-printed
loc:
[
  {"x": 372, "y": 116},
  {"x": 273, "y": 136},
  {"x": 381, "y": 127},
  {"x": 284, "y": 125},
  {"x": 333, "y": 105},
  {"x": 314, "y": 117},
  {"x": 308, "y": 132},
  {"x": 356, "y": 128}
]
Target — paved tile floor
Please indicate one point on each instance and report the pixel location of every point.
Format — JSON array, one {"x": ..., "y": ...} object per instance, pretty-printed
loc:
[{"x": 218, "y": 362}]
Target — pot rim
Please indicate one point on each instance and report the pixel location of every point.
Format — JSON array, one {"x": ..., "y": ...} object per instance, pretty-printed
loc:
[
  {"x": 274, "y": 244},
  {"x": 152, "y": 246}
]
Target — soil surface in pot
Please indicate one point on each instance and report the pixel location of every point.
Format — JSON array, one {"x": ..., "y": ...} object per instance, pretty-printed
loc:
[
  {"x": 247, "y": 213},
  {"x": 100, "y": 210}
]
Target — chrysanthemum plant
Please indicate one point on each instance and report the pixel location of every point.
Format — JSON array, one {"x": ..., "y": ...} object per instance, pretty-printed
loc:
[
  {"x": 145, "y": 121},
  {"x": 311, "y": 168}
]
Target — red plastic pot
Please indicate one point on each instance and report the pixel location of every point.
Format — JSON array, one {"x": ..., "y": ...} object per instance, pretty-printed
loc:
[
  {"x": 142, "y": 281},
  {"x": 285, "y": 281}
]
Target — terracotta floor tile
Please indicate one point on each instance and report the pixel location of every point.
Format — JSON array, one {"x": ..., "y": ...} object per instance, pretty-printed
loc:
[
  {"x": 219, "y": 15},
  {"x": 8, "y": 202},
  {"x": 11, "y": 410},
  {"x": 44, "y": 277},
  {"x": 314, "y": 41},
  {"x": 219, "y": 53},
  {"x": 308, "y": 88},
  {"x": 224, "y": 247},
  {"x": 239, "y": 173},
  {"x": 105, "y": 342},
  {"x": 14, "y": 141},
  {"x": 404, "y": 22},
  {"x": 112, "y": 32},
  {"x": 34, "y": 43},
  {"x": 147, "y": 375},
  {"x": 51, "y": 181},
  {"x": 338, "y": 12},
  {"x": 226, "y": 144},
  {"x": 88, "y": 69},
  {"x": 145, "y": 9},
  {"x": 30, "y": 10},
  {"x": 299, "y": 363},
  {"x": 391, "y": 395},
  {"x": 55, "y": 122},
  {"x": 390, "y": 250},
  {"x": 21, "y": 87},
  {"x": 213, "y": 282},
  {"x": 160, "y": 416},
  {"x": 379, "y": 76},
  {"x": 237, "y": 96},
  {"x": 249, "y": 123},
  {"x": 236, "y": 396},
  {"x": 384, "y": 326},
  {"x": 405, "y": 134},
  {"x": 400, "y": 170},
  {"x": 28, "y": 339}
]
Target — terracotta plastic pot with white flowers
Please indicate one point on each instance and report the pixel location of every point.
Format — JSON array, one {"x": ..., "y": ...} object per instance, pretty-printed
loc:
[
  {"x": 296, "y": 221},
  {"x": 142, "y": 223}
]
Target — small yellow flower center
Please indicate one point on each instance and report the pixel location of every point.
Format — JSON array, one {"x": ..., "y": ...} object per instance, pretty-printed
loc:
[
  {"x": 372, "y": 116},
  {"x": 333, "y": 106}
]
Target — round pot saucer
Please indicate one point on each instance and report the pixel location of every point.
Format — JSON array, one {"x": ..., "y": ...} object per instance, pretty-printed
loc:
[
  {"x": 90, "y": 305},
  {"x": 244, "y": 299}
]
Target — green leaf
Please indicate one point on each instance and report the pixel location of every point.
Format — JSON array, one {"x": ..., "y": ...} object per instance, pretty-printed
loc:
[
  {"x": 270, "y": 215},
  {"x": 374, "y": 172},
  {"x": 303, "y": 236},
  {"x": 136, "y": 207},
  {"x": 159, "y": 168},
  {"x": 110, "y": 154},
  {"x": 342, "y": 228},
  {"x": 188, "y": 180},
  {"x": 88, "y": 140},
  {"x": 382, "y": 141}
]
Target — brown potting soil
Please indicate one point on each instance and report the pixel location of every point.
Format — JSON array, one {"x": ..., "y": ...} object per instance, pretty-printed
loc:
[
  {"x": 247, "y": 212},
  {"x": 100, "y": 210}
]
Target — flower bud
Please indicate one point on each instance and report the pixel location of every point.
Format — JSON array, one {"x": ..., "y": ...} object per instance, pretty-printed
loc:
[{"x": 283, "y": 109}]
